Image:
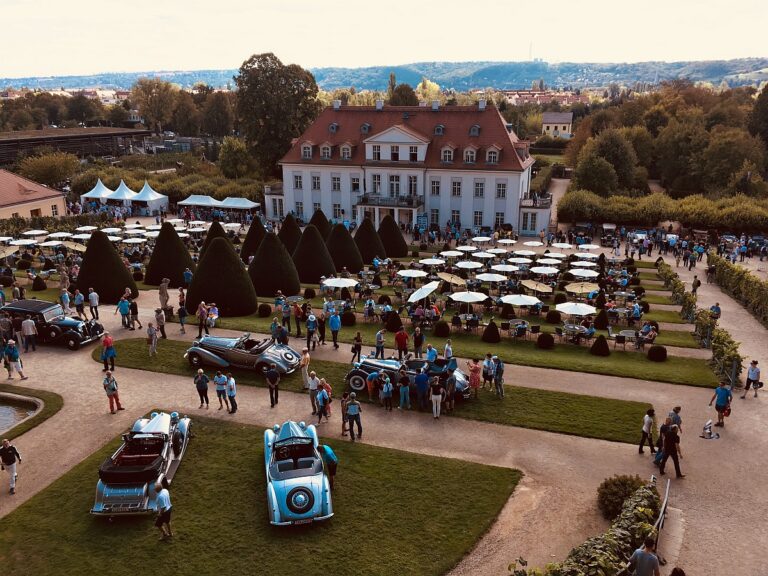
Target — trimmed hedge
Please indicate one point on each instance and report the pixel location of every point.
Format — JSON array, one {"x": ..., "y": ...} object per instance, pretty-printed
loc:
[
  {"x": 348, "y": 318},
  {"x": 38, "y": 284},
  {"x": 253, "y": 239},
  {"x": 272, "y": 269},
  {"x": 491, "y": 333},
  {"x": 104, "y": 271},
  {"x": 320, "y": 222},
  {"x": 169, "y": 259},
  {"x": 441, "y": 329},
  {"x": 311, "y": 257},
  {"x": 216, "y": 230},
  {"x": 553, "y": 317},
  {"x": 394, "y": 322},
  {"x": 601, "y": 320},
  {"x": 221, "y": 278},
  {"x": 264, "y": 310},
  {"x": 290, "y": 233},
  {"x": 600, "y": 347},
  {"x": 368, "y": 242},
  {"x": 392, "y": 238},
  {"x": 744, "y": 286},
  {"x": 343, "y": 249},
  {"x": 560, "y": 298},
  {"x": 545, "y": 341},
  {"x": 657, "y": 353},
  {"x": 309, "y": 293},
  {"x": 612, "y": 493}
]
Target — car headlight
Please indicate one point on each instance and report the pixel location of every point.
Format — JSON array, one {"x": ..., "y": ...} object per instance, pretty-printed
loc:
[{"x": 289, "y": 357}]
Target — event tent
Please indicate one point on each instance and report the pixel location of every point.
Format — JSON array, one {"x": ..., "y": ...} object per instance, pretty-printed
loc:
[
  {"x": 98, "y": 192},
  {"x": 233, "y": 203},
  {"x": 122, "y": 195},
  {"x": 200, "y": 200},
  {"x": 149, "y": 202}
]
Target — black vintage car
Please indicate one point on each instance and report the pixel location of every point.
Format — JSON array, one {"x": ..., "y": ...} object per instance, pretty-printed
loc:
[{"x": 53, "y": 325}]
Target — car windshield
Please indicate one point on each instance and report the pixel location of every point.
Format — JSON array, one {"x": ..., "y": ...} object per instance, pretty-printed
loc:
[{"x": 53, "y": 313}]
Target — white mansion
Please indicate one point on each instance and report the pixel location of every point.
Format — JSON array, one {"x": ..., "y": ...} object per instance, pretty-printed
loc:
[{"x": 422, "y": 164}]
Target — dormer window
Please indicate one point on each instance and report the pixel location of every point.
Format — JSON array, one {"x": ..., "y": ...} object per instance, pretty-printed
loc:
[
  {"x": 447, "y": 155},
  {"x": 333, "y": 128},
  {"x": 346, "y": 153},
  {"x": 306, "y": 152},
  {"x": 492, "y": 157},
  {"x": 325, "y": 153},
  {"x": 376, "y": 151},
  {"x": 365, "y": 128},
  {"x": 475, "y": 130},
  {"x": 439, "y": 130},
  {"x": 469, "y": 156}
]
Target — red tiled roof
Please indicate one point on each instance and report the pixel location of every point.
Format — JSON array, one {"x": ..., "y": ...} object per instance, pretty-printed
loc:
[
  {"x": 420, "y": 122},
  {"x": 15, "y": 190}
]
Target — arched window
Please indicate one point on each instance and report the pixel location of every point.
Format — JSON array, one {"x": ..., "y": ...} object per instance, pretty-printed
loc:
[
  {"x": 469, "y": 156},
  {"x": 346, "y": 153},
  {"x": 439, "y": 130},
  {"x": 492, "y": 157},
  {"x": 325, "y": 153},
  {"x": 447, "y": 155},
  {"x": 475, "y": 130},
  {"x": 306, "y": 152}
]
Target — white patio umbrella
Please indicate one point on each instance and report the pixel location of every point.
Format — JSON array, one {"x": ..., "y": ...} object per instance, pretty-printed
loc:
[
  {"x": 411, "y": 273},
  {"x": 183, "y": 235},
  {"x": 58, "y": 235},
  {"x": 547, "y": 270},
  {"x": 197, "y": 230},
  {"x": 555, "y": 255},
  {"x": 582, "y": 264},
  {"x": 175, "y": 220},
  {"x": 81, "y": 236},
  {"x": 153, "y": 227},
  {"x": 548, "y": 261},
  {"x": 22, "y": 242},
  {"x": 114, "y": 238},
  {"x": 507, "y": 241},
  {"x": 340, "y": 282},
  {"x": 517, "y": 260},
  {"x": 468, "y": 297},
  {"x": 112, "y": 230},
  {"x": 129, "y": 226},
  {"x": 467, "y": 248},
  {"x": 505, "y": 268},
  {"x": 232, "y": 225},
  {"x": 488, "y": 277},
  {"x": 496, "y": 251},
  {"x": 520, "y": 300},
  {"x": 432, "y": 261},
  {"x": 179, "y": 228},
  {"x": 576, "y": 309},
  {"x": 152, "y": 234},
  {"x": 468, "y": 265},
  {"x": 423, "y": 292},
  {"x": 450, "y": 253},
  {"x": 579, "y": 273},
  {"x": 533, "y": 243},
  {"x": 198, "y": 223},
  {"x": 85, "y": 228},
  {"x": 589, "y": 247},
  {"x": 482, "y": 255},
  {"x": 134, "y": 232},
  {"x": 524, "y": 253},
  {"x": 587, "y": 255},
  {"x": 481, "y": 239},
  {"x": 50, "y": 244},
  {"x": 134, "y": 240},
  {"x": 562, "y": 245},
  {"x": 6, "y": 238},
  {"x": 34, "y": 233}
]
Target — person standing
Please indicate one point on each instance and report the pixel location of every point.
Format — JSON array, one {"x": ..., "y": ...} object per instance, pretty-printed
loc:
[
  {"x": 436, "y": 394},
  {"x": 160, "y": 319},
  {"x": 723, "y": 395},
  {"x": 304, "y": 367},
  {"x": 753, "y": 376},
  {"x": 334, "y": 323},
  {"x": 152, "y": 339},
  {"x": 93, "y": 303},
  {"x": 354, "y": 410},
  {"x": 163, "y": 504},
  {"x": 474, "y": 375},
  {"x": 330, "y": 462},
  {"x": 187, "y": 278},
  {"x": 13, "y": 358},
  {"x": 313, "y": 383},
  {"x": 647, "y": 431},
  {"x": 29, "y": 334},
  {"x": 201, "y": 384},
  {"x": 182, "y": 319},
  {"x": 124, "y": 307},
  {"x": 674, "y": 415},
  {"x": 380, "y": 344},
  {"x": 231, "y": 393},
  {"x": 79, "y": 301},
  {"x": 273, "y": 382},
  {"x": 108, "y": 352},
  {"x": 311, "y": 329},
  {"x": 644, "y": 562},
  {"x": 418, "y": 343},
  {"x": 221, "y": 389},
  {"x": 422, "y": 389},
  {"x": 401, "y": 341},
  {"x": 110, "y": 387},
  {"x": 448, "y": 350},
  {"x": 450, "y": 390},
  {"x": 404, "y": 382},
  {"x": 286, "y": 312},
  {"x": 671, "y": 449},
  {"x": 298, "y": 315},
  {"x": 357, "y": 347},
  {"x": 9, "y": 456},
  {"x": 202, "y": 319},
  {"x": 323, "y": 399},
  {"x": 386, "y": 393},
  {"x": 498, "y": 376},
  {"x": 695, "y": 284},
  {"x": 321, "y": 320}
]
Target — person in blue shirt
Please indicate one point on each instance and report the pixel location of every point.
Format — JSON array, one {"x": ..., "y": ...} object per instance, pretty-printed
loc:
[
  {"x": 334, "y": 323},
  {"x": 330, "y": 462},
  {"x": 353, "y": 416},
  {"x": 371, "y": 382},
  {"x": 79, "y": 304},
  {"x": 187, "y": 277},
  {"x": 221, "y": 389},
  {"x": 64, "y": 299},
  {"x": 124, "y": 307},
  {"x": 422, "y": 388},
  {"x": 723, "y": 396},
  {"x": 431, "y": 353},
  {"x": 311, "y": 327},
  {"x": 498, "y": 376}
]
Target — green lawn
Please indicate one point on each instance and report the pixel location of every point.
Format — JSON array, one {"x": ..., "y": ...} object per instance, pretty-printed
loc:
[
  {"x": 574, "y": 414},
  {"x": 652, "y": 275},
  {"x": 656, "y": 297},
  {"x": 49, "y": 294},
  {"x": 645, "y": 263},
  {"x": 395, "y": 513},
  {"x": 52, "y": 404},
  {"x": 671, "y": 316}
]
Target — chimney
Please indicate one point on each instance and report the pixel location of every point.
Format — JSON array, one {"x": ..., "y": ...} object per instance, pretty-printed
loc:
[
  {"x": 481, "y": 104},
  {"x": 435, "y": 105},
  {"x": 379, "y": 104},
  {"x": 336, "y": 104},
  {"x": 422, "y": 104}
]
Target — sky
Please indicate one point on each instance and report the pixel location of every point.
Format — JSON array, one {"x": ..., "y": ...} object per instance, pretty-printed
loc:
[{"x": 68, "y": 37}]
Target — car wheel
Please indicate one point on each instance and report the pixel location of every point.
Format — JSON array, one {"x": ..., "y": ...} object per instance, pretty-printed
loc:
[
  {"x": 195, "y": 360},
  {"x": 300, "y": 500},
  {"x": 358, "y": 381},
  {"x": 73, "y": 343},
  {"x": 53, "y": 333},
  {"x": 261, "y": 367}
]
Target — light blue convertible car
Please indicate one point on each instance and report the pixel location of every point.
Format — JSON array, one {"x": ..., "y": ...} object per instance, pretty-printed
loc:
[{"x": 298, "y": 490}]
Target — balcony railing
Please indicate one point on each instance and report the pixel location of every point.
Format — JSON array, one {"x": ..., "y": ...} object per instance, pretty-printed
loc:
[
  {"x": 540, "y": 202},
  {"x": 397, "y": 201}
]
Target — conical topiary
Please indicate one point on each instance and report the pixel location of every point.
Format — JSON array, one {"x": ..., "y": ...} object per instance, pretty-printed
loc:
[
  {"x": 601, "y": 320},
  {"x": 392, "y": 238},
  {"x": 320, "y": 222},
  {"x": 222, "y": 279},
  {"x": 600, "y": 347},
  {"x": 369, "y": 242},
  {"x": 169, "y": 259},
  {"x": 343, "y": 250},
  {"x": 394, "y": 322},
  {"x": 215, "y": 231},
  {"x": 272, "y": 269},
  {"x": 491, "y": 333},
  {"x": 252, "y": 240},
  {"x": 290, "y": 234},
  {"x": 311, "y": 257},
  {"x": 104, "y": 271}
]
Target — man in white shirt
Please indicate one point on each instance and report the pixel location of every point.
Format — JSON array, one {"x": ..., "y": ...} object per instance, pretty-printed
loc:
[
  {"x": 29, "y": 333},
  {"x": 648, "y": 431},
  {"x": 163, "y": 503},
  {"x": 93, "y": 303},
  {"x": 313, "y": 384},
  {"x": 753, "y": 378}
]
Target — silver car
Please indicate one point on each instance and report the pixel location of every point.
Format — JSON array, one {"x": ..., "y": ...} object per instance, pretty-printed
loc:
[{"x": 242, "y": 352}]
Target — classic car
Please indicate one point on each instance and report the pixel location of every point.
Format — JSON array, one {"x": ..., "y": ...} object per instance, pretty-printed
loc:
[
  {"x": 356, "y": 378},
  {"x": 608, "y": 235},
  {"x": 242, "y": 352},
  {"x": 53, "y": 325},
  {"x": 151, "y": 451},
  {"x": 298, "y": 489}
]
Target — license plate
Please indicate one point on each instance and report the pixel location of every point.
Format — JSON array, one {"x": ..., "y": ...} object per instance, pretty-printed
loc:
[{"x": 306, "y": 521}]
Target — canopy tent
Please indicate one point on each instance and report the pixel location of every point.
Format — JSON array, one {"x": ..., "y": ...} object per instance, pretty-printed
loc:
[
  {"x": 149, "y": 201},
  {"x": 98, "y": 192},
  {"x": 123, "y": 195},
  {"x": 233, "y": 203},
  {"x": 200, "y": 200}
]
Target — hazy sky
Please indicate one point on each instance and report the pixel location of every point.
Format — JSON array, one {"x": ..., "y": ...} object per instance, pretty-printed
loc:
[{"x": 60, "y": 37}]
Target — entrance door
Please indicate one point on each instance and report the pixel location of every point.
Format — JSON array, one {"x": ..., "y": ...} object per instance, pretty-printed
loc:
[{"x": 528, "y": 223}]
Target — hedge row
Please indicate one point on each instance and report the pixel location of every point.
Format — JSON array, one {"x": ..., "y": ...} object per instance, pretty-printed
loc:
[
  {"x": 742, "y": 285},
  {"x": 540, "y": 184}
]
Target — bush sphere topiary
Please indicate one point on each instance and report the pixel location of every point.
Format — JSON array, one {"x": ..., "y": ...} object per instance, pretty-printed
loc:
[
  {"x": 394, "y": 323},
  {"x": 545, "y": 341},
  {"x": 560, "y": 298},
  {"x": 441, "y": 329},
  {"x": 309, "y": 293},
  {"x": 264, "y": 310},
  {"x": 38, "y": 284},
  {"x": 657, "y": 353},
  {"x": 348, "y": 318},
  {"x": 613, "y": 491},
  {"x": 553, "y": 317}
]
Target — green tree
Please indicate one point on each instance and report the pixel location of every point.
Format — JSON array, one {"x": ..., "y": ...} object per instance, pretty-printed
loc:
[
  {"x": 217, "y": 115},
  {"x": 758, "y": 117},
  {"x": 727, "y": 151},
  {"x": 290, "y": 233},
  {"x": 596, "y": 174},
  {"x": 343, "y": 250},
  {"x": 428, "y": 91},
  {"x": 312, "y": 258},
  {"x": 580, "y": 206},
  {"x": 614, "y": 148},
  {"x": 642, "y": 144},
  {"x": 169, "y": 259},
  {"x": 186, "y": 118},
  {"x": 275, "y": 103},
  {"x": 104, "y": 271},
  {"x": 215, "y": 230},
  {"x": 83, "y": 109},
  {"x": 368, "y": 242},
  {"x": 222, "y": 279},
  {"x": 678, "y": 150},
  {"x": 234, "y": 159},
  {"x": 655, "y": 119},
  {"x": 155, "y": 99},
  {"x": 403, "y": 95},
  {"x": 117, "y": 115},
  {"x": 320, "y": 221},
  {"x": 272, "y": 268},
  {"x": 392, "y": 238},
  {"x": 391, "y": 85},
  {"x": 50, "y": 169},
  {"x": 256, "y": 233}
]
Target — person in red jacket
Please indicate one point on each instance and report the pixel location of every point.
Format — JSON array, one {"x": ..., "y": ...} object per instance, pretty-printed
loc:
[{"x": 401, "y": 340}]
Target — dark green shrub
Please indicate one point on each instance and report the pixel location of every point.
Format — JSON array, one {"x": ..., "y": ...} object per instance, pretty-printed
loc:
[
  {"x": 491, "y": 333},
  {"x": 657, "y": 353},
  {"x": 169, "y": 259},
  {"x": 138, "y": 276},
  {"x": 645, "y": 307},
  {"x": 601, "y": 320},
  {"x": 345, "y": 294},
  {"x": 394, "y": 323},
  {"x": 554, "y": 317},
  {"x": 507, "y": 312},
  {"x": 312, "y": 258},
  {"x": 600, "y": 347},
  {"x": 320, "y": 222},
  {"x": 441, "y": 329},
  {"x": 343, "y": 249},
  {"x": 634, "y": 281},
  {"x": 38, "y": 284},
  {"x": 22, "y": 264},
  {"x": 392, "y": 238},
  {"x": 6, "y": 281},
  {"x": 423, "y": 247},
  {"x": 309, "y": 293},
  {"x": 415, "y": 253},
  {"x": 221, "y": 278},
  {"x": 560, "y": 298},
  {"x": 600, "y": 300},
  {"x": 26, "y": 256},
  {"x": 612, "y": 493},
  {"x": 214, "y": 231},
  {"x": 638, "y": 290},
  {"x": 348, "y": 318},
  {"x": 104, "y": 271},
  {"x": 264, "y": 310},
  {"x": 631, "y": 269},
  {"x": 384, "y": 299},
  {"x": 253, "y": 239},
  {"x": 272, "y": 269},
  {"x": 545, "y": 341},
  {"x": 658, "y": 261},
  {"x": 290, "y": 234},
  {"x": 368, "y": 242}
]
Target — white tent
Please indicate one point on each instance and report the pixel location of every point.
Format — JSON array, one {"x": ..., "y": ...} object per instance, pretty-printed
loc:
[
  {"x": 233, "y": 203},
  {"x": 155, "y": 202},
  {"x": 123, "y": 194},
  {"x": 98, "y": 192},
  {"x": 200, "y": 200}
]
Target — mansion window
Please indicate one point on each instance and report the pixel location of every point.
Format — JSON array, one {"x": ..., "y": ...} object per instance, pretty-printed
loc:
[
  {"x": 335, "y": 183},
  {"x": 376, "y": 183},
  {"x": 355, "y": 182},
  {"x": 414, "y": 153},
  {"x": 346, "y": 153},
  {"x": 394, "y": 186},
  {"x": 439, "y": 130},
  {"x": 475, "y": 130},
  {"x": 297, "y": 182},
  {"x": 447, "y": 155},
  {"x": 300, "y": 210},
  {"x": 277, "y": 207},
  {"x": 492, "y": 157},
  {"x": 413, "y": 185},
  {"x": 477, "y": 220},
  {"x": 479, "y": 189},
  {"x": 455, "y": 216},
  {"x": 434, "y": 187},
  {"x": 325, "y": 153},
  {"x": 376, "y": 151},
  {"x": 469, "y": 156},
  {"x": 394, "y": 153},
  {"x": 501, "y": 190},
  {"x": 315, "y": 182},
  {"x": 337, "y": 210},
  {"x": 498, "y": 221},
  {"x": 54, "y": 210},
  {"x": 315, "y": 207},
  {"x": 306, "y": 152},
  {"x": 434, "y": 216},
  {"x": 456, "y": 188}
]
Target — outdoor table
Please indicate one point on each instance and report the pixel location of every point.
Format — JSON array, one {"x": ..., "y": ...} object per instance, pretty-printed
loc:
[
  {"x": 574, "y": 328},
  {"x": 373, "y": 286},
  {"x": 293, "y": 299},
  {"x": 630, "y": 335}
]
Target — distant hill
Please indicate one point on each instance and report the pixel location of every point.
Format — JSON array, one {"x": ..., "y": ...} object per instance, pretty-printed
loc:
[{"x": 456, "y": 75}]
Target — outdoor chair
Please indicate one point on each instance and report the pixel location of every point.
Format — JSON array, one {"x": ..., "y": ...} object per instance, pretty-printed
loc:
[
  {"x": 473, "y": 324},
  {"x": 544, "y": 310},
  {"x": 620, "y": 340},
  {"x": 456, "y": 322},
  {"x": 559, "y": 333},
  {"x": 505, "y": 326},
  {"x": 535, "y": 330}
]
